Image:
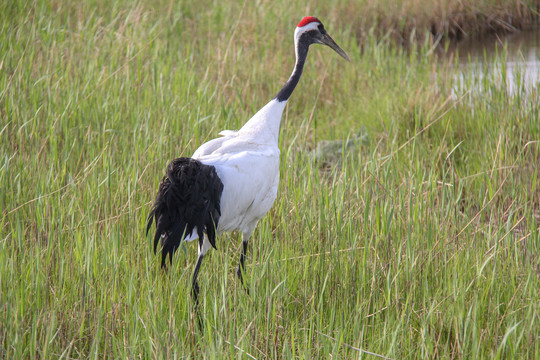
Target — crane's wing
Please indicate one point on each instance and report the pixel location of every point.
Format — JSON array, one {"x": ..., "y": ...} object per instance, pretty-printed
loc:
[
  {"x": 228, "y": 133},
  {"x": 250, "y": 176},
  {"x": 210, "y": 147}
]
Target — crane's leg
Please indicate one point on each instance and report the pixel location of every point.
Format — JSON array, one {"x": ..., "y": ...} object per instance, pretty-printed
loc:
[
  {"x": 194, "y": 283},
  {"x": 204, "y": 245},
  {"x": 241, "y": 268},
  {"x": 195, "y": 290}
]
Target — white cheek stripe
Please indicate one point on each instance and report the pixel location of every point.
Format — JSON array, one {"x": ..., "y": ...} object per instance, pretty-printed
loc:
[{"x": 300, "y": 30}]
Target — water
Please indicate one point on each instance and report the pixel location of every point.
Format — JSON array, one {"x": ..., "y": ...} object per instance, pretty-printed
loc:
[{"x": 511, "y": 60}]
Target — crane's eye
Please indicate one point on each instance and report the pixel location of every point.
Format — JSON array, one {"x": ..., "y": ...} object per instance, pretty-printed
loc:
[{"x": 321, "y": 29}]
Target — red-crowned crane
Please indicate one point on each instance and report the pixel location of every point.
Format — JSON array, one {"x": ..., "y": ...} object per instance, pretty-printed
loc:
[{"x": 230, "y": 182}]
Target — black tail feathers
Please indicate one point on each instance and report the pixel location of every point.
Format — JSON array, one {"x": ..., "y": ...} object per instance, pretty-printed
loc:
[{"x": 188, "y": 197}]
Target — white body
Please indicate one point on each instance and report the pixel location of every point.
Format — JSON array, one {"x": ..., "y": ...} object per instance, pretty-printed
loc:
[{"x": 247, "y": 162}]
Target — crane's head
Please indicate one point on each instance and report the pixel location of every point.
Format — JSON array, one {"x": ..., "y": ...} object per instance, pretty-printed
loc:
[{"x": 311, "y": 31}]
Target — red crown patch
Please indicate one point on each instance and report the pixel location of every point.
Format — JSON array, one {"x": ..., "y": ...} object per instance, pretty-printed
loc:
[{"x": 307, "y": 20}]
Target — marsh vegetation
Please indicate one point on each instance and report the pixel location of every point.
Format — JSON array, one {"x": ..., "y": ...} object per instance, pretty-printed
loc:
[{"x": 421, "y": 242}]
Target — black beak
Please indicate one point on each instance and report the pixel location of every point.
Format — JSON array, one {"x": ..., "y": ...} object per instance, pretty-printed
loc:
[{"x": 327, "y": 40}]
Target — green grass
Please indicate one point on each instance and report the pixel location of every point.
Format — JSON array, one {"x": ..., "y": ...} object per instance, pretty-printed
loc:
[{"x": 422, "y": 243}]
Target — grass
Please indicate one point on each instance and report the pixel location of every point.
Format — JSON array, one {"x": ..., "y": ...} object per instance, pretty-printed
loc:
[{"x": 421, "y": 243}]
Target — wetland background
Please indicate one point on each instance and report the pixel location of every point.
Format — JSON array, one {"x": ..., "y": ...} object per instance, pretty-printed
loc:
[{"x": 419, "y": 241}]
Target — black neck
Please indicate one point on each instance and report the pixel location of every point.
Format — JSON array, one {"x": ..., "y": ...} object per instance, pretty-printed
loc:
[{"x": 301, "y": 54}]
